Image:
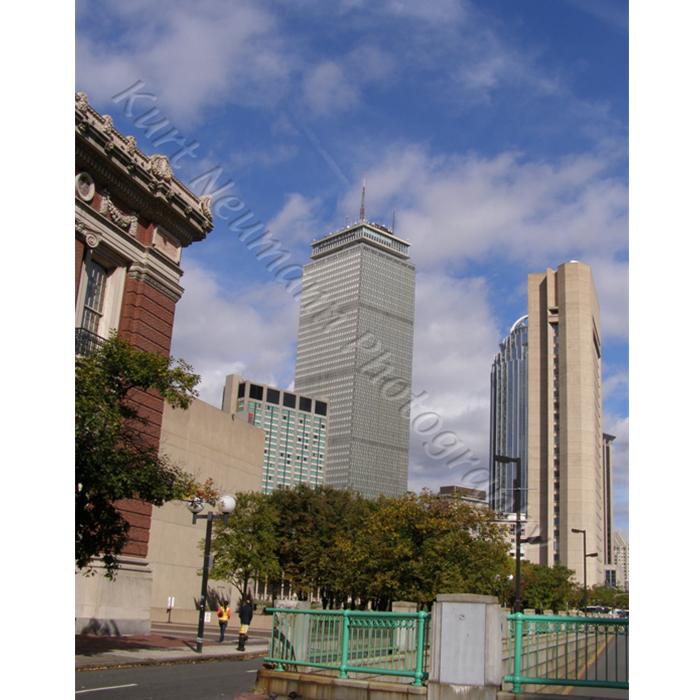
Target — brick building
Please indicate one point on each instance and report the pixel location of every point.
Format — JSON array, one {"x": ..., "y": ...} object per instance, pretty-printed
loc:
[{"x": 132, "y": 220}]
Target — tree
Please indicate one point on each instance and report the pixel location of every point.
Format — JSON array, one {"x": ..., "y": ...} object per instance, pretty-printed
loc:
[
  {"x": 608, "y": 596},
  {"x": 244, "y": 546},
  {"x": 418, "y": 546},
  {"x": 547, "y": 588},
  {"x": 114, "y": 456},
  {"x": 313, "y": 528}
]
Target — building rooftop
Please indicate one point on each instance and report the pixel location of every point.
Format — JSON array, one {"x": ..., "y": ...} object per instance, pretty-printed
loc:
[{"x": 362, "y": 231}]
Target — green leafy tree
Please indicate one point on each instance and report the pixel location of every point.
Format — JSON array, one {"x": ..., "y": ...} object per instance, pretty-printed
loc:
[
  {"x": 311, "y": 532},
  {"x": 608, "y": 596},
  {"x": 244, "y": 547},
  {"x": 418, "y": 546},
  {"x": 547, "y": 588},
  {"x": 114, "y": 456}
]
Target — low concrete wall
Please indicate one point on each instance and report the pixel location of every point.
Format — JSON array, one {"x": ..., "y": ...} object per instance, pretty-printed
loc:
[
  {"x": 114, "y": 607},
  {"x": 316, "y": 686}
]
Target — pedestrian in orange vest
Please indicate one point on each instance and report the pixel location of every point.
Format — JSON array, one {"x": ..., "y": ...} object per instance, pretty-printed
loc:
[{"x": 224, "y": 615}]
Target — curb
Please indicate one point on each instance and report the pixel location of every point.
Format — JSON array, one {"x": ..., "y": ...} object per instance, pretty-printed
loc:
[{"x": 171, "y": 662}]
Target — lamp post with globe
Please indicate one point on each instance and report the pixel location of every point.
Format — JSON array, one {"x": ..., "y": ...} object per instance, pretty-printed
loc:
[{"x": 225, "y": 505}]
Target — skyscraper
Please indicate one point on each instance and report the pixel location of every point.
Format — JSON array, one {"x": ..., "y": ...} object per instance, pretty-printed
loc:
[
  {"x": 355, "y": 347},
  {"x": 566, "y": 479},
  {"x": 509, "y": 418}
]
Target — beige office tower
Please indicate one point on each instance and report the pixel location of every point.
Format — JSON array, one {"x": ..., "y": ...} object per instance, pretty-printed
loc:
[{"x": 566, "y": 483}]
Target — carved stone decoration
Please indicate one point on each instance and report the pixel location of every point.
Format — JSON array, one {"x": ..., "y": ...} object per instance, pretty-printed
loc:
[
  {"x": 128, "y": 222},
  {"x": 108, "y": 124},
  {"x": 131, "y": 145},
  {"x": 85, "y": 186},
  {"x": 81, "y": 101},
  {"x": 92, "y": 240},
  {"x": 159, "y": 167},
  {"x": 205, "y": 205}
]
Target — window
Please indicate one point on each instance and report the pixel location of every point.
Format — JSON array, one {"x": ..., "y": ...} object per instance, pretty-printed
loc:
[
  {"x": 99, "y": 300},
  {"x": 241, "y": 390},
  {"x": 290, "y": 400},
  {"x": 273, "y": 395},
  {"x": 321, "y": 408},
  {"x": 94, "y": 297},
  {"x": 305, "y": 404},
  {"x": 256, "y": 392}
]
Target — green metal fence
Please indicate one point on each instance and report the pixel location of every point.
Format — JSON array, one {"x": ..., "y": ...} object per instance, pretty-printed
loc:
[
  {"x": 570, "y": 651},
  {"x": 351, "y": 641}
]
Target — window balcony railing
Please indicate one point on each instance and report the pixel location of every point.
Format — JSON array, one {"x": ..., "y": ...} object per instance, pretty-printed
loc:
[{"x": 87, "y": 342}]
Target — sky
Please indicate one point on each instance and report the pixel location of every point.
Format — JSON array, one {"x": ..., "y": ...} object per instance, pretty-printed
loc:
[{"x": 496, "y": 131}]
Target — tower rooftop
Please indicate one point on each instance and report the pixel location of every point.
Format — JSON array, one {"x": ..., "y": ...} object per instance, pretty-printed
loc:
[{"x": 377, "y": 235}]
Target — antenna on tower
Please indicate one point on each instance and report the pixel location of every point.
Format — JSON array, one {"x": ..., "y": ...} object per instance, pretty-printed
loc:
[{"x": 362, "y": 201}]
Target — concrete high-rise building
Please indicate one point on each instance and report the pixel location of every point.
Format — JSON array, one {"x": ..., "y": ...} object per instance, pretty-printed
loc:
[
  {"x": 355, "y": 347},
  {"x": 509, "y": 400},
  {"x": 295, "y": 428},
  {"x": 621, "y": 560},
  {"x": 608, "y": 501},
  {"x": 566, "y": 478}
]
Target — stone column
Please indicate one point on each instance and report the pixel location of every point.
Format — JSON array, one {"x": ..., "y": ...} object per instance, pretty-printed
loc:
[
  {"x": 465, "y": 647},
  {"x": 405, "y": 640}
]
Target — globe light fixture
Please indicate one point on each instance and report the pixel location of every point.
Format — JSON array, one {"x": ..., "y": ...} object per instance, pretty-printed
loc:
[{"x": 225, "y": 505}]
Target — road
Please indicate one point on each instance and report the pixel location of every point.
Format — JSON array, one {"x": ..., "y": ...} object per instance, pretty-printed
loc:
[
  {"x": 599, "y": 671},
  {"x": 199, "y": 681}
]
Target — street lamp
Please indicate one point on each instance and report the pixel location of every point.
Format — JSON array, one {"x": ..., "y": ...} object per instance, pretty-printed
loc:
[
  {"x": 517, "y": 605},
  {"x": 585, "y": 556},
  {"x": 225, "y": 505}
]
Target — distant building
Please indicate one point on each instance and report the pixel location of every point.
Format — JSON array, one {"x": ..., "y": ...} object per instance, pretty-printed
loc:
[
  {"x": 475, "y": 497},
  {"x": 133, "y": 217},
  {"x": 509, "y": 402},
  {"x": 608, "y": 503},
  {"x": 355, "y": 346},
  {"x": 296, "y": 429},
  {"x": 205, "y": 442},
  {"x": 621, "y": 559}
]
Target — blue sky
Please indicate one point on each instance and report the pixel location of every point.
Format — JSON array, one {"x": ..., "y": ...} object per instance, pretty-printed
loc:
[{"x": 496, "y": 130}]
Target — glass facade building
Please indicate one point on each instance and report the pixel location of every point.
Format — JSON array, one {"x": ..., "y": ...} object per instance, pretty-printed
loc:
[
  {"x": 509, "y": 398},
  {"x": 355, "y": 346},
  {"x": 295, "y": 427}
]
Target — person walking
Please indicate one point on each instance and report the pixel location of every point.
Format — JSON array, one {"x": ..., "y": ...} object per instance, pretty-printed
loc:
[
  {"x": 224, "y": 615},
  {"x": 245, "y": 613}
]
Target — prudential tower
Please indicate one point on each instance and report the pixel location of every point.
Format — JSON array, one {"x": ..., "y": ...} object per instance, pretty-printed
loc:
[{"x": 355, "y": 347}]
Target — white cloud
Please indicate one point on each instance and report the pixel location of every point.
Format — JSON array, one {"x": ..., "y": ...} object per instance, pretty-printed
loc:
[
  {"x": 455, "y": 339},
  {"x": 615, "y": 385},
  {"x": 193, "y": 56},
  {"x": 220, "y": 332},
  {"x": 328, "y": 89},
  {"x": 296, "y": 221},
  {"x": 537, "y": 214},
  {"x": 619, "y": 427}
]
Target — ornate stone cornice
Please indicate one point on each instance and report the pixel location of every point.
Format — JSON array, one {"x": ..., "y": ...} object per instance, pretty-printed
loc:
[
  {"x": 164, "y": 285},
  {"x": 147, "y": 182}
]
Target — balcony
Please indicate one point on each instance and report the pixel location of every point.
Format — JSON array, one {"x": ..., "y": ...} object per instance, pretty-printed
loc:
[{"x": 87, "y": 342}]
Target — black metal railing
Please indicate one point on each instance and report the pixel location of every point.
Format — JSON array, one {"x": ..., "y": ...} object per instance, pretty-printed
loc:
[{"x": 86, "y": 342}]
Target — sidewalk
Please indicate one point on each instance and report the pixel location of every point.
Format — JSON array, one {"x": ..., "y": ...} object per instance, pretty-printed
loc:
[{"x": 98, "y": 652}]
